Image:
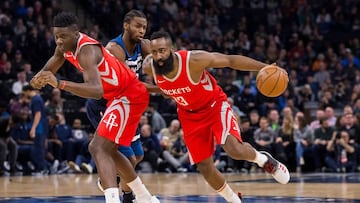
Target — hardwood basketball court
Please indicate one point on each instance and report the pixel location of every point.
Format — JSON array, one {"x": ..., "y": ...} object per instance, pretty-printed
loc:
[{"x": 187, "y": 187}]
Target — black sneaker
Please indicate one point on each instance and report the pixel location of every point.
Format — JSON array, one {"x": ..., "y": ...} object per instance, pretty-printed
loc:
[
  {"x": 100, "y": 187},
  {"x": 128, "y": 197},
  {"x": 276, "y": 169}
]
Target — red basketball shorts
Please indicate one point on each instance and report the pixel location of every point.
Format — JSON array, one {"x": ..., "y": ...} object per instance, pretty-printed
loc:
[
  {"x": 203, "y": 128},
  {"x": 121, "y": 119}
]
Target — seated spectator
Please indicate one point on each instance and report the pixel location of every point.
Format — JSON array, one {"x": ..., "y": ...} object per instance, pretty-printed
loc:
[
  {"x": 177, "y": 157},
  {"x": 8, "y": 147},
  {"x": 26, "y": 67},
  {"x": 322, "y": 135},
  {"x": 247, "y": 135},
  {"x": 83, "y": 161},
  {"x": 151, "y": 147},
  {"x": 218, "y": 162},
  {"x": 54, "y": 146},
  {"x": 17, "y": 105},
  {"x": 64, "y": 134},
  {"x": 20, "y": 133},
  {"x": 264, "y": 136},
  {"x": 55, "y": 103},
  {"x": 303, "y": 137},
  {"x": 19, "y": 83},
  {"x": 74, "y": 143},
  {"x": 254, "y": 120},
  {"x": 349, "y": 124},
  {"x": 4, "y": 113},
  {"x": 238, "y": 113},
  {"x": 341, "y": 156},
  {"x": 329, "y": 114},
  {"x": 284, "y": 146},
  {"x": 315, "y": 124},
  {"x": 274, "y": 119},
  {"x": 169, "y": 135},
  {"x": 17, "y": 61},
  {"x": 8, "y": 74},
  {"x": 157, "y": 122},
  {"x": 246, "y": 101}
]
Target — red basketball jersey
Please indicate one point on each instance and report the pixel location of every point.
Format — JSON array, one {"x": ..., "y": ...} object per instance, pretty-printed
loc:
[
  {"x": 116, "y": 78},
  {"x": 190, "y": 95}
]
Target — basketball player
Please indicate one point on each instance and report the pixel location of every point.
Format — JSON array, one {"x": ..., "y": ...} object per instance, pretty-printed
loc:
[
  {"x": 129, "y": 47},
  {"x": 104, "y": 76},
  {"x": 203, "y": 109}
]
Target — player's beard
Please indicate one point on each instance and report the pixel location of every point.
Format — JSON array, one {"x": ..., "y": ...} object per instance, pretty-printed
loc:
[{"x": 167, "y": 67}]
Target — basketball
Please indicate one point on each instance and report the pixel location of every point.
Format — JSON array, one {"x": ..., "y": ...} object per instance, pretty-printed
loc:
[{"x": 272, "y": 81}]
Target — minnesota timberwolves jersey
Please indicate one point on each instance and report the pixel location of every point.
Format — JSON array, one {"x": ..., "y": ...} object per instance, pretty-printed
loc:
[{"x": 134, "y": 61}]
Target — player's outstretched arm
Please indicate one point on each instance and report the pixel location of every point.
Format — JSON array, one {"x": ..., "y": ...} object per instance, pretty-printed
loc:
[{"x": 204, "y": 59}]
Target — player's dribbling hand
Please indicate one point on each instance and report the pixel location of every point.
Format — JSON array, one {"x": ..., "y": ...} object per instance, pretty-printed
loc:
[{"x": 274, "y": 64}]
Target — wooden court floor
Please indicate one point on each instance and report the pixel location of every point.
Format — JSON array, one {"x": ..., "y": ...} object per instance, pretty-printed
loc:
[{"x": 188, "y": 187}]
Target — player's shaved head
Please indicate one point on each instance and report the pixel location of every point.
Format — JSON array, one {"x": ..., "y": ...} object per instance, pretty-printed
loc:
[{"x": 65, "y": 19}]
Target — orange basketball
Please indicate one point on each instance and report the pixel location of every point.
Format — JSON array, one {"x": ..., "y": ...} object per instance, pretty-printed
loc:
[{"x": 272, "y": 81}]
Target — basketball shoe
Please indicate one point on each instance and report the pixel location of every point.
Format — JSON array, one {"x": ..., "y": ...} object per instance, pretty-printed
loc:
[
  {"x": 276, "y": 169},
  {"x": 128, "y": 197}
]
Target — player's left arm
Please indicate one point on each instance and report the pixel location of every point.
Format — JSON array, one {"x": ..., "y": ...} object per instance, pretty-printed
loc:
[{"x": 204, "y": 59}]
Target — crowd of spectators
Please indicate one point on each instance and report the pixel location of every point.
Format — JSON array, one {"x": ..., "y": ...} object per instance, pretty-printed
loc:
[{"x": 313, "y": 126}]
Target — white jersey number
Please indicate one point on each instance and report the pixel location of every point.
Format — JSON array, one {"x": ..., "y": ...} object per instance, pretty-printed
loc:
[{"x": 180, "y": 100}]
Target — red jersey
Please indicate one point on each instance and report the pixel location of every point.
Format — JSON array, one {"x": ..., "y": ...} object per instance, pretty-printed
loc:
[
  {"x": 190, "y": 95},
  {"x": 116, "y": 78},
  {"x": 205, "y": 115}
]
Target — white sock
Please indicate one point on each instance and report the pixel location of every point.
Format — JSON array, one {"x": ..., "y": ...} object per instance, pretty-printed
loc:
[
  {"x": 229, "y": 195},
  {"x": 260, "y": 159},
  {"x": 112, "y": 195},
  {"x": 139, "y": 190}
]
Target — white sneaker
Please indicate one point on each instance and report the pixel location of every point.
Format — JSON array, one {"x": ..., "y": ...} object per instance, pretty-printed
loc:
[
  {"x": 87, "y": 168},
  {"x": 74, "y": 167},
  {"x": 276, "y": 169},
  {"x": 55, "y": 166}
]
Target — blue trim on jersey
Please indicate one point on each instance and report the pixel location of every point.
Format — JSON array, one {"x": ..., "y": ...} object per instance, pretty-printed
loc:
[
  {"x": 134, "y": 61},
  {"x": 137, "y": 50}
]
